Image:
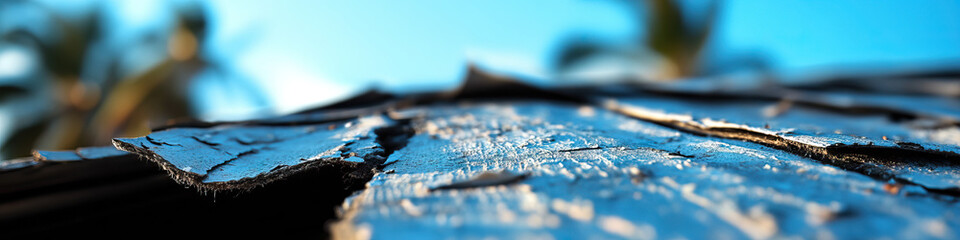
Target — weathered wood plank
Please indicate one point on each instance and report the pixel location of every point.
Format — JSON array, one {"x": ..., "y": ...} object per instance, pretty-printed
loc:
[{"x": 593, "y": 173}]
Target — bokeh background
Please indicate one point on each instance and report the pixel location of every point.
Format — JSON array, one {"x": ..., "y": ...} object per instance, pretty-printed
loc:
[{"x": 77, "y": 73}]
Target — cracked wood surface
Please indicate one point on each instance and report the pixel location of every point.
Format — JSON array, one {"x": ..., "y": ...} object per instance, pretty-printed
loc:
[{"x": 594, "y": 173}]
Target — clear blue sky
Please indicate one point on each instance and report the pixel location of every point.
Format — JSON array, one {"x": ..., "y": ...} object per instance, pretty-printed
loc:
[
  {"x": 342, "y": 47},
  {"x": 807, "y": 35},
  {"x": 313, "y": 52},
  {"x": 348, "y": 45}
]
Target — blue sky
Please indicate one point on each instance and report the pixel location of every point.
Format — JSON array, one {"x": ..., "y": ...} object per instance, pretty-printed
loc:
[
  {"x": 305, "y": 53},
  {"x": 807, "y": 35},
  {"x": 340, "y": 47}
]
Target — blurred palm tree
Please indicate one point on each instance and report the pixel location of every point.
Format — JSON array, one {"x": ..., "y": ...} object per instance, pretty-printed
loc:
[
  {"x": 671, "y": 48},
  {"x": 81, "y": 93}
]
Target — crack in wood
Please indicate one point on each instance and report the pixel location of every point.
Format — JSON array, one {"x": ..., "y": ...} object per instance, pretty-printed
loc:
[{"x": 863, "y": 159}]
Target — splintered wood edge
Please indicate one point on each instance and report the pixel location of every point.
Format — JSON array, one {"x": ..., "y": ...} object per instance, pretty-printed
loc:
[{"x": 195, "y": 180}]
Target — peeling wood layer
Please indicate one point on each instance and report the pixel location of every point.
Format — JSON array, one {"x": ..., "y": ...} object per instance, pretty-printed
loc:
[
  {"x": 246, "y": 156},
  {"x": 106, "y": 192},
  {"x": 872, "y": 145}
]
